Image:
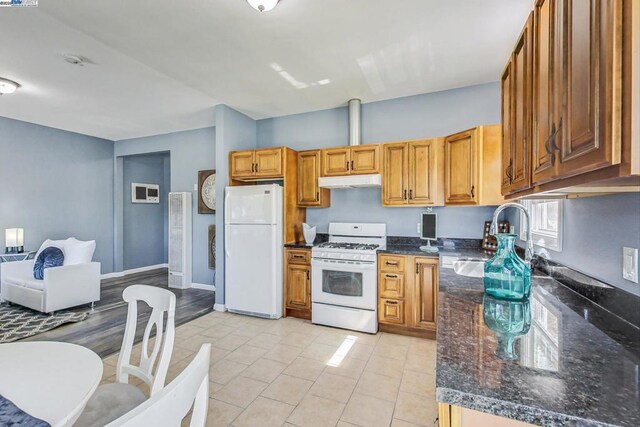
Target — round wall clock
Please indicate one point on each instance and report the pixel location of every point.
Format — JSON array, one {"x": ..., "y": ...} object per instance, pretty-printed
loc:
[{"x": 207, "y": 191}]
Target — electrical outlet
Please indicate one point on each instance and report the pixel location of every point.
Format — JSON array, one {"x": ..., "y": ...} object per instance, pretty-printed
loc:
[
  {"x": 630, "y": 264},
  {"x": 195, "y": 187},
  {"x": 418, "y": 228}
]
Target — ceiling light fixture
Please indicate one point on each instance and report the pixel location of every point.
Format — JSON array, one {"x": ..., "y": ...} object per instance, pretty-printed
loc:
[
  {"x": 74, "y": 59},
  {"x": 263, "y": 5},
  {"x": 7, "y": 86}
]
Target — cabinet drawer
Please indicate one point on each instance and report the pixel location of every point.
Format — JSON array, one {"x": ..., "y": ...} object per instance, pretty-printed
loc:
[
  {"x": 391, "y": 285},
  {"x": 391, "y": 311},
  {"x": 391, "y": 263},
  {"x": 298, "y": 257}
]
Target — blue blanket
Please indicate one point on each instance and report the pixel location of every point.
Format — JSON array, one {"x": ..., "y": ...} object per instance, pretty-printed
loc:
[{"x": 12, "y": 416}]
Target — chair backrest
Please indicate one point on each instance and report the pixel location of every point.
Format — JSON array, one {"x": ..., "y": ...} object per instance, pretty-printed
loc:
[
  {"x": 161, "y": 301},
  {"x": 168, "y": 407}
]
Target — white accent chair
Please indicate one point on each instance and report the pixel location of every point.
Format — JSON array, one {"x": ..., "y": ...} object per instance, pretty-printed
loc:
[
  {"x": 188, "y": 392},
  {"x": 110, "y": 401}
]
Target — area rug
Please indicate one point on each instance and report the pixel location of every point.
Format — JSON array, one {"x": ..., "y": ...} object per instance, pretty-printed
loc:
[{"x": 18, "y": 322}]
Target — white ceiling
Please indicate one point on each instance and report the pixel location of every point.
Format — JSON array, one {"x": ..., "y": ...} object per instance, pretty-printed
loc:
[{"x": 159, "y": 66}]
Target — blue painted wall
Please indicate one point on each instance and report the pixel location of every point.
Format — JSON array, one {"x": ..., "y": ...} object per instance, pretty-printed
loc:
[
  {"x": 56, "y": 184},
  {"x": 428, "y": 115},
  {"x": 595, "y": 231},
  {"x": 234, "y": 131},
  {"x": 189, "y": 151},
  {"x": 145, "y": 224}
]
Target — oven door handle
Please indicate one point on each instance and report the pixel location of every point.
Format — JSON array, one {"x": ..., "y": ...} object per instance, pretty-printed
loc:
[{"x": 343, "y": 264}]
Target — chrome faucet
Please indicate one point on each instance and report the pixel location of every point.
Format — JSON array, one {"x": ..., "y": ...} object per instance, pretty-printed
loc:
[{"x": 528, "y": 254}]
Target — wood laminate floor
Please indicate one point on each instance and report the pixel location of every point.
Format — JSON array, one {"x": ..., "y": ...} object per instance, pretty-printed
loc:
[{"x": 103, "y": 330}]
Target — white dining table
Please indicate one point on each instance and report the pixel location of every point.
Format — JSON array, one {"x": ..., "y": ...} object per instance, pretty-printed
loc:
[{"x": 51, "y": 381}]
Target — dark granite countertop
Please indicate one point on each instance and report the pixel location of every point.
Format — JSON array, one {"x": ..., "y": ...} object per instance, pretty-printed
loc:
[
  {"x": 299, "y": 245},
  {"x": 570, "y": 370}
]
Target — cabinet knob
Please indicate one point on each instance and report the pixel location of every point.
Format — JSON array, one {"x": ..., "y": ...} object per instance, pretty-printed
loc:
[
  {"x": 317, "y": 196},
  {"x": 391, "y": 302},
  {"x": 473, "y": 191},
  {"x": 351, "y": 164},
  {"x": 410, "y": 194}
]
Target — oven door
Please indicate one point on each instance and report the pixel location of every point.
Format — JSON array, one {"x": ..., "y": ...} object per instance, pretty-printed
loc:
[{"x": 344, "y": 283}]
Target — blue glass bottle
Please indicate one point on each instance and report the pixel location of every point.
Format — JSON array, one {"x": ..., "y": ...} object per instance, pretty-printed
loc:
[
  {"x": 506, "y": 276},
  {"x": 508, "y": 320}
]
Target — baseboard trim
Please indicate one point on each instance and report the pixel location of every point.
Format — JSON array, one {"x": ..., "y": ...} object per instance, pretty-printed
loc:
[
  {"x": 203, "y": 287},
  {"x": 219, "y": 307},
  {"x": 132, "y": 271}
]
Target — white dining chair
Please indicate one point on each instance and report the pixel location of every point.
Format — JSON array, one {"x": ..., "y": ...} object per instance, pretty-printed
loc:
[
  {"x": 167, "y": 408},
  {"x": 111, "y": 401}
]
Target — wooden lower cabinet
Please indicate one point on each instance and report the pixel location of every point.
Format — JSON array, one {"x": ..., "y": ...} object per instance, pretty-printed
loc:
[
  {"x": 407, "y": 294},
  {"x": 457, "y": 416},
  {"x": 297, "y": 283}
]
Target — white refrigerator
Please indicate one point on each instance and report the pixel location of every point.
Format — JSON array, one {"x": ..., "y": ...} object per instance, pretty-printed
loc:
[{"x": 253, "y": 250}]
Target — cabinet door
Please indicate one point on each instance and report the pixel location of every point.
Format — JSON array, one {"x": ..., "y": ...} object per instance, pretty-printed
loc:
[
  {"x": 308, "y": 172},
  {"x": 546, "y": 88},
  {"x": 592, "y": 51},
  {"x": 298, "y": 286},
  {"x": 364, "y": 159},
  {"x": 425, "y": 297},
  {"x": 394, "y": 174},
  {"x": 521, "y": 98},
  {"x": 268, "y": 162},
  {"x": 461, "y": 168},
  {"x": 242, "y": 164},
  {"x": 335, "y": 161},
  {"x": 391, "y": 311},
  {"x": 422, "y": 172},
  {"x": 507, "y": 143}
]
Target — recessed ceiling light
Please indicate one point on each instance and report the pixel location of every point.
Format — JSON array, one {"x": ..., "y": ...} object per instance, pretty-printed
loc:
[
  {"x": 263, "y": 5},
  {"x": 74, "y": 59},
  {"x": 7, "y": 86}
]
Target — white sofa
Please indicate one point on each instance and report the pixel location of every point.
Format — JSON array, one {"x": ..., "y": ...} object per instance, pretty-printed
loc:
[
  {"x": 62, "y": 287},
  {"x": 74, "y": 283}
]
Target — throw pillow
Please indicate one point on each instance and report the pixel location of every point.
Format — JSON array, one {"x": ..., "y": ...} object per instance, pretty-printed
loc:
[
  {"x": 78, "y": 252},
  {"x": 49, "y": 257},
  {"x": 50, "y": 243}
]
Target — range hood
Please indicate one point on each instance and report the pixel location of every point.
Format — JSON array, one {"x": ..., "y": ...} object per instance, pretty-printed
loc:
[{"x": 350, "y": 181}]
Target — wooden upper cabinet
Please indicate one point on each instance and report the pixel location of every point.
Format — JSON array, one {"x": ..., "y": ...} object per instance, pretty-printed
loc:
[
  {"x": 335, "y": 161},
  {"x": 268, "y": 162},
  {"x": 546, "y": 91},
  {"x": 395, "y": 170},
  {"x": 365, "y": 159},
  {"x": 425, "y": 297},
  {"x": 242, "y": 164},
  {"x": 249, "y": 165},
  {"x": 507, "y": 135},
  {"x": 423, "y": 172},
  {"x": 412, "y": 174},
  {"x": 592, "y": 52},
  {"x": 520, "y": 162},
  {"x": 309, "y": 193},
  {"x": 358, "y": 159},
  {"x": 461, "y": 168}
]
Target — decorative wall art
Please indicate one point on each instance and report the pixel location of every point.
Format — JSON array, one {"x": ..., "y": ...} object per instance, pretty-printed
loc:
[{"x": 207, "y": 191}]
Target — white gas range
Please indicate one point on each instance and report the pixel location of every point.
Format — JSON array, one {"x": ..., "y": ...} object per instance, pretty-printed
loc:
[{"x": 344, "y": 276}]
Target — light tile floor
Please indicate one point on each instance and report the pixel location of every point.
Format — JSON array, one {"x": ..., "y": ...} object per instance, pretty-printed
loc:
[{"x": 289, "y": 372}]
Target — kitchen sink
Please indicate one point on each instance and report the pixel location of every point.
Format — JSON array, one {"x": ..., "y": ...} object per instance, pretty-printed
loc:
[{"x": 469, "y": 268}]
